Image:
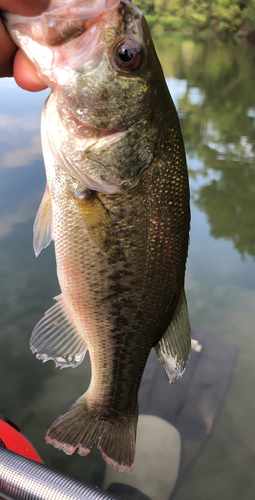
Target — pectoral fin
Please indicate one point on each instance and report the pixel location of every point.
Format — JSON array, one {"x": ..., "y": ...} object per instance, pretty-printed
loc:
[
  {"x": 55, "y": 337},
  {"x": 173, "y": 349},
  {"x": 42, "y": 224},
  {"x": 97, "y": 221}
]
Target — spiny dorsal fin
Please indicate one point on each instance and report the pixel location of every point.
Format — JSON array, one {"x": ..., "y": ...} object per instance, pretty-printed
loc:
[
  {"x": 42, "y": 224},
  {"x": 173, "y": 349},
  {"x": 55, "y": 337}
]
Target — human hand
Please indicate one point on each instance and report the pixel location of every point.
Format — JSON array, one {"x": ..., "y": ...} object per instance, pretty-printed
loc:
[{"x": 13, "y": 61}]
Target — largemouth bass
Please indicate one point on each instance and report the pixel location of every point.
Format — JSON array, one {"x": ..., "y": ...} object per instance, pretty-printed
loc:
[{"x": 117, "y": 207}]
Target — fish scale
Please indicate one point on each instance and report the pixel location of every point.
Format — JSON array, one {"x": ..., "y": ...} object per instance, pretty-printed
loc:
[{"x": 117, "y": 207}]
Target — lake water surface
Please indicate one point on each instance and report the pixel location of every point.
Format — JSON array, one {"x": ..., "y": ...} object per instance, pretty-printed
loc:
[{"x": 212, "y": 85}]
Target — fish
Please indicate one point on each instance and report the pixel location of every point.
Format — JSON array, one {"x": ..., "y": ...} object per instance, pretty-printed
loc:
[{"x": 116, "y": 205}]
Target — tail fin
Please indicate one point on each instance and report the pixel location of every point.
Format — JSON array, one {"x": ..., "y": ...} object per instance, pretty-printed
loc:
[{"x": 79, "y": 427}]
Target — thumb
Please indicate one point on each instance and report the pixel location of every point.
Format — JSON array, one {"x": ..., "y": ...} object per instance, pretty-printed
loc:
[{"x": 25, "y": 73}]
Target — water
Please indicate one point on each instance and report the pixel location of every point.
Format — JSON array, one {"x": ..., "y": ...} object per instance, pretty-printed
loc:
[{"x": 213, "y": 87}]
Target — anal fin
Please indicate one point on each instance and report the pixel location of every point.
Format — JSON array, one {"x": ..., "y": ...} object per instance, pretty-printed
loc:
[
  {"x": 173, "y": 349},
  {"x": 56, "y": 338},
  {"x": 43, "y": 224}
]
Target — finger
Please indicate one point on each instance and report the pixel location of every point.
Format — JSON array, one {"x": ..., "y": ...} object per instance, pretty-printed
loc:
[
  {"x": 25, "y": 74},
  {"x": 8, "y": 49},
  {"x": 24, "y": 7}
]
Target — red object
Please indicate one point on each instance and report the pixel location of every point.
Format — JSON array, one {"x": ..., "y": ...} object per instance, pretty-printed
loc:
[{"x": 12, "y": 439}]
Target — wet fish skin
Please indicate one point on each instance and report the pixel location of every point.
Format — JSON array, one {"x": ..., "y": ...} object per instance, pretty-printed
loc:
[
  {"x": 121, "y": 247},
  {"x": 103, "y": 98}
]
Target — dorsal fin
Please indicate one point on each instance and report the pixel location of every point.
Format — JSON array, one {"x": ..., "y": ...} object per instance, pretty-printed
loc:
[{"x": 42, "y": 225}]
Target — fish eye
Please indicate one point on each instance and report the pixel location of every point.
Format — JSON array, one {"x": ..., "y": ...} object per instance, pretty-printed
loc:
[{"x": 128, "y": 55}]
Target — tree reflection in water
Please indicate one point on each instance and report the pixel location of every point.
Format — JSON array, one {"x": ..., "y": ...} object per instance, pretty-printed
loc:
[{"x": 217, "y": 111}]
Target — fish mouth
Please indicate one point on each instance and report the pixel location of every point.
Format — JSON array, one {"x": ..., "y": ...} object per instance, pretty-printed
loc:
[
  {"x": 69, "y": 30},
  {"x": 62, "y": 21},
  {"x": 60, "y": 24}
]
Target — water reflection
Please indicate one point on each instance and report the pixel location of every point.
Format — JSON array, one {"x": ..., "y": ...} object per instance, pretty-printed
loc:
[
  {"x": 216, "y": 103},
  {"x": 219, "y": 131},
  {"x": 213, "y": 86}
]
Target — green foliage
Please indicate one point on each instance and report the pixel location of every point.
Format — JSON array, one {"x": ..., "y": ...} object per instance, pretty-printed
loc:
[
  {"x": 171, "y": 23},
  {"x": 226, "y": 17}
]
